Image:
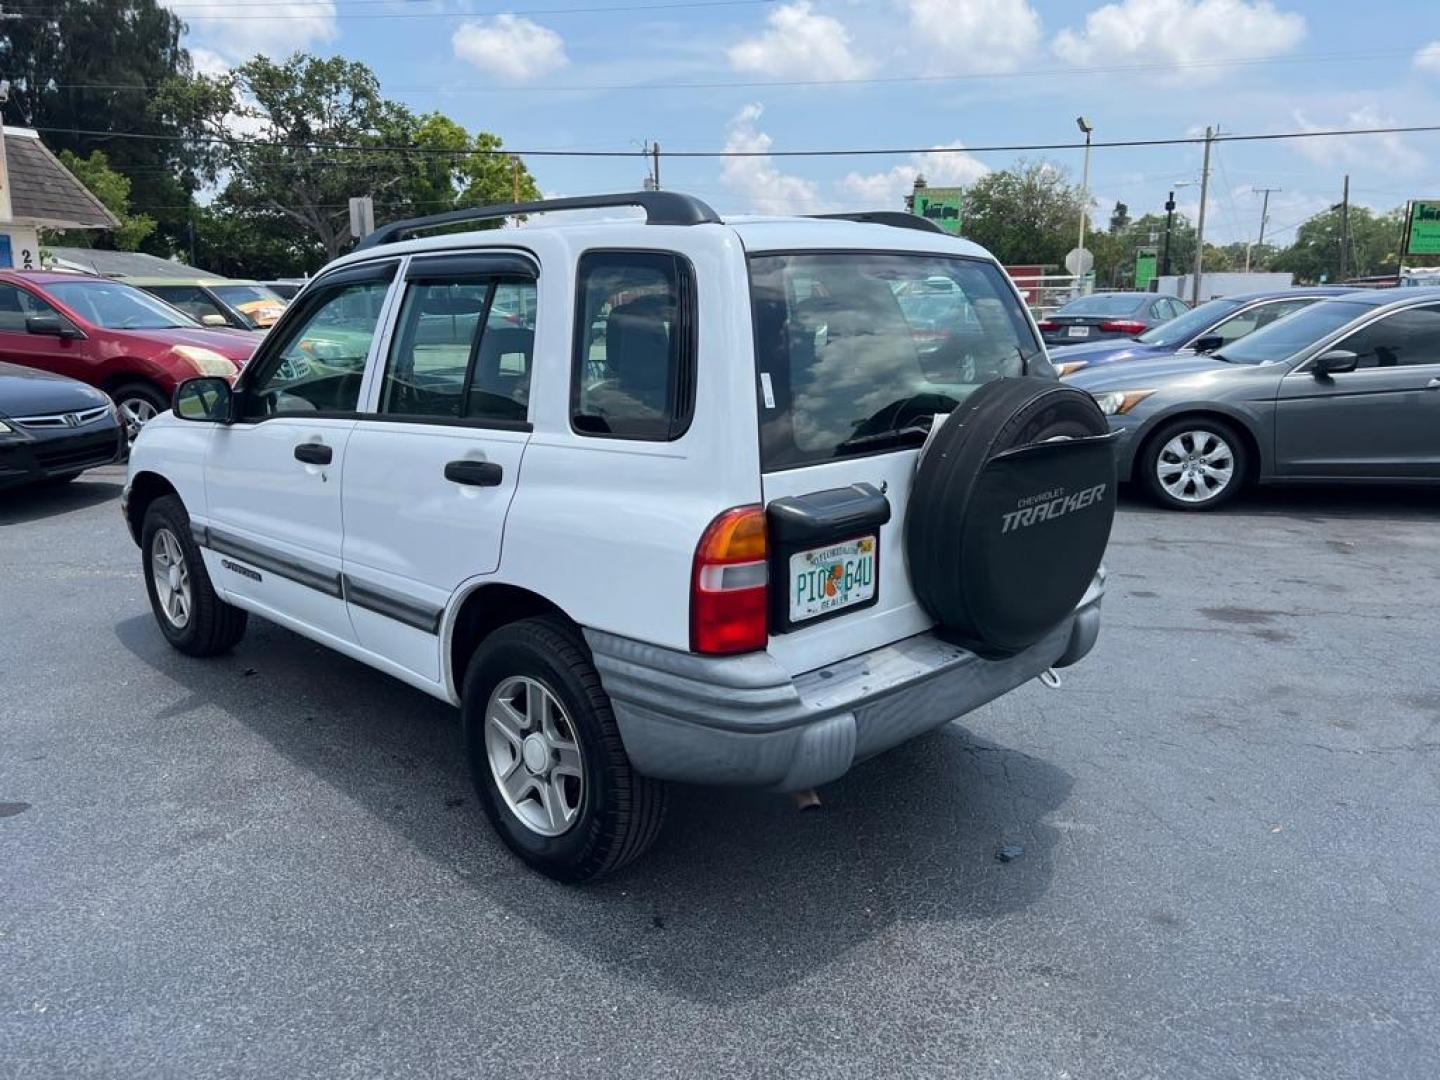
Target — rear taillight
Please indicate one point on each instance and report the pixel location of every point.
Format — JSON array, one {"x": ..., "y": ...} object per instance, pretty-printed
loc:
[
  {"x": 1046, "y": 325},
  {"x": 729, "y": 590},
  {"x": 1123, "y": 326}
]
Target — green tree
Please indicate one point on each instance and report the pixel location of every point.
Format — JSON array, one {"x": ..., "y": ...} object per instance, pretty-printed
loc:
[
  {"x": 92, "y": 66},
  {"x": 1029, "y": 213},
  {"x": 295, "y": 140},
  {"x": 112, "y": 189},
  {"x": 1315, "y": 254}
]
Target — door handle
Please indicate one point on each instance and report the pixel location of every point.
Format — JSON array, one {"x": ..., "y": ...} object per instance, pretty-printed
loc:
[
  {"x": 474, "y": 473},
  {"x": 314, "y": 453}
]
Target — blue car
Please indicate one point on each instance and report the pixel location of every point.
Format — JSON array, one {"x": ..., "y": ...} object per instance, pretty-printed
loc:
[{"x": 1204, "y": 329}]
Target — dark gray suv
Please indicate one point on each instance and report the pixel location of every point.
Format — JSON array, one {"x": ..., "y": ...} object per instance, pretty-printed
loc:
[{"x": 1347, "y": 389}]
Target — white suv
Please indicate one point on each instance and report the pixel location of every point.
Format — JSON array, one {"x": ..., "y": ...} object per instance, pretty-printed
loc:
[{"x": 674, "y": 499}]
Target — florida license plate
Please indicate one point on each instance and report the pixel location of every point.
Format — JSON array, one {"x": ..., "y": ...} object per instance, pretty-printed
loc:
[
  {"x": 1078, "y": 331},
  {"x": 827, "y": 579}
]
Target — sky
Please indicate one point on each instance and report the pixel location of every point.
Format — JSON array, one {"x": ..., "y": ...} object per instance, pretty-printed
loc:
[{"x": 772, "y": 75}]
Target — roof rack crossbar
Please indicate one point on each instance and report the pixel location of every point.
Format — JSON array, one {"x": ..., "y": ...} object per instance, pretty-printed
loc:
[
  {"x": 897, "y": 219},
  {"x": 661, "y": 208}
]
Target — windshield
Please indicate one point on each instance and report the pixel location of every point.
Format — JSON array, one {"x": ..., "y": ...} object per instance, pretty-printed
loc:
[
  {"x": 118, "y": 307},
  {"x": 1125, "y": 304},
  {"x": 1285, "y": 337},
  {"x": 1182, "y": 328},
  {"x": 856, "y": 352},
  {"x": 236, "y": 295}
]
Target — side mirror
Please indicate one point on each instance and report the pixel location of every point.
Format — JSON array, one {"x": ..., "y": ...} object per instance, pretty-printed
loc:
[
  {"x": 214, "y": 318},
  {"x": 207, "y": 398},
  {"x": 1208, "y": 343},
  {"x": 50, "y": 326},
  {"x": 1335, "y": 362}
]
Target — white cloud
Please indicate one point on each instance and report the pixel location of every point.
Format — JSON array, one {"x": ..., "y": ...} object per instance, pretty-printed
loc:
[
  {"x": 800, "y": 44},
  {"x": 1181, "y": 31},
  {"x": 887, "y": 190},
  {"x": 764, "y": 187},
  {"x": 241, "y": 32},
  {"x": 1427, "y": 58},
  {"x": 974, "y": 35},
  {"x": 510, "y": 47},
  {"x": 1385, "y": 153},
  {"x": 209, "y": 63}
]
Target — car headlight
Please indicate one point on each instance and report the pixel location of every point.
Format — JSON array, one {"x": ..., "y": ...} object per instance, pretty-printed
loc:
[
  {"x": 6, "y": 429},
  {"x": 206, "y": 361},
  {"x": 1120, "y": 402},
  {"x": 1069, "y": 367}
]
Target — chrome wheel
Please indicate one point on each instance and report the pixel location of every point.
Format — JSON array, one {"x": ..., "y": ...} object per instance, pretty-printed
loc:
[
  {"x": 135, "y": 413},
  {"x": 1195, "y": 466},
  {"x": 171, "y": 577},
  {"x": 534, "y": 755}
]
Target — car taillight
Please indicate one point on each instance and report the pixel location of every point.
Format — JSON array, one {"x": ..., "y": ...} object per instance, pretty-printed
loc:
[
  {"x": 1046, "y": 325},
  {"x": 1123, "y": 326},
  {"x": 729, "y": 587}
]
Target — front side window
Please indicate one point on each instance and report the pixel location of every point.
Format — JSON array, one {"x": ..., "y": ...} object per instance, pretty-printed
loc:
[
  {"x": 320, "y": 362},
  {"x": 17, "y": 305},
  {"x": 856, "y": 352},
  {"x": 118, "y": 307},
  {"x": 1402, "y": 339},
  {"x": 1257, "y": 318},
  {"x": 1192, "y": 324},
  {"x": 462, "y": 350},
  {"x": 634, "y": 345}
]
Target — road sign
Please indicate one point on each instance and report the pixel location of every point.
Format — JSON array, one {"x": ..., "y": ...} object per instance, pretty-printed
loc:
[
  {"x": 1079, "y": 262},
  {"x": 940, "y": 205},
  {"x": 362, "y": 216},
  {"x": 1422, "y": 228},
  {"x": 1144, "y": 267}
]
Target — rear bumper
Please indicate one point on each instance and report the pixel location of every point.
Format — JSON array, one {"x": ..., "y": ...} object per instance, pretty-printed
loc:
[{"x": 743, "y": 721}]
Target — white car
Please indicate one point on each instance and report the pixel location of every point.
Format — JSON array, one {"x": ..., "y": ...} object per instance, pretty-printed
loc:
[{"x": 680, "y": 499}]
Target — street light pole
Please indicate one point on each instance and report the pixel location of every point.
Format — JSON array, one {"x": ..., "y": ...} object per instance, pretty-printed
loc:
[
  {"x": 1086, "y": 127},
  {"x": 1169, "y": 224},
  {"x": 1200, "y": 224}
]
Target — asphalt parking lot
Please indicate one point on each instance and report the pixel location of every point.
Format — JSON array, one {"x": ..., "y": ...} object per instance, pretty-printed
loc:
[{"x": 272, "y": 864}]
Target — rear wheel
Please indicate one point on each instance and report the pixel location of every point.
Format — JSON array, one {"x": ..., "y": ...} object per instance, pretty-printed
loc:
[
  {"x": 546, "y": 758},
  {"x": 190, "y": 615},
  {"x": 1194, "y": 464},
  {"x": 138, "y": 403}
]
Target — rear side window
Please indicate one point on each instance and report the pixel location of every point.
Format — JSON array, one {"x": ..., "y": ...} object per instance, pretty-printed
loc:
[
  {"x": 634, "y": 375},
  {"x": 462, "y": 350},
  {"x": 853, "y": 346}
]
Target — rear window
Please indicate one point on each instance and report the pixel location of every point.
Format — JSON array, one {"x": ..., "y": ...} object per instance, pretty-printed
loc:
[
  {"x": 1105, "y": 305},
  {"x": 853, "y": 347}
]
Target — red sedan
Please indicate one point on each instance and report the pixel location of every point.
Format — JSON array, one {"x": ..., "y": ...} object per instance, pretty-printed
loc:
[{"x": 114, "y": 337}]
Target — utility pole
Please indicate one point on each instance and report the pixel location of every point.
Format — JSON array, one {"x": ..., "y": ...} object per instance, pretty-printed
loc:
[
  {"x": 1169, "y": 224},
  {"x": 1264, "y": 217},
  {"x": 655, "y": 156},
  {"x": 1088, "y": 129},
  {"x": 1345, "y": 231},
  {"x": 514, "y": 179},
  {"x": 1200, "y": 224}
]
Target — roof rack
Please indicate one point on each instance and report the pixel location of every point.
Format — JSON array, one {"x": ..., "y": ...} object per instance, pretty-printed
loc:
[
  {"x": 897, "y": 219},
  {"x": 661, "y": 208}
]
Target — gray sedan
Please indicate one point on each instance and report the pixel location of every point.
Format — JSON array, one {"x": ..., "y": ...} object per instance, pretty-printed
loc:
[{"x": 1344, "y": 390}]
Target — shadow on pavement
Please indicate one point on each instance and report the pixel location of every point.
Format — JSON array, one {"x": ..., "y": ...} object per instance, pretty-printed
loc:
[
  {"x": 1312, "y": 502},
  {"x": 742, "y": 894},
  {"x": 34, "y": 502}
]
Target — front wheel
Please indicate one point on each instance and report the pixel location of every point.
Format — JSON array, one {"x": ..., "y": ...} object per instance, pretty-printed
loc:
[
  {"x": 190, "y": 615},
  {"x": 546, "y": 758},
  {"x": 1194, "y": 464}
]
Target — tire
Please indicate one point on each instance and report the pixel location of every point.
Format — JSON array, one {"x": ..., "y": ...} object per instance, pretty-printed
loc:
[
  {"x": 1010, "y": 513},
  {"x": 1202, "y": 445},
  {"x": 209, "y": 626},
  {"x": 137, "y": 403},
  {"x": 568, "y": 827}
]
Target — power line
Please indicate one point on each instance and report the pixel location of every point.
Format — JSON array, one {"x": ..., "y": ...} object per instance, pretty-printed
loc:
[
  {"x": 452, "y": 15},
  {"x": 781, "y": 84},
  {"x": 1189, "y": 140}
]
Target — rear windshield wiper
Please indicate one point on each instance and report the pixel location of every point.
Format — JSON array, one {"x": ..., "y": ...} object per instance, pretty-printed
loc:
[{"x": 912, "y": 432}]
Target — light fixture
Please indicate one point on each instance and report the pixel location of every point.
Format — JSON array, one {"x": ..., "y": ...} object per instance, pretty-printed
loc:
[{"x": 1084, "y": 125}]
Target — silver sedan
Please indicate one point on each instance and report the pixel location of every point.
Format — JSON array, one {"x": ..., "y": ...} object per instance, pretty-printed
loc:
[{"x": 1346, "y": 390}]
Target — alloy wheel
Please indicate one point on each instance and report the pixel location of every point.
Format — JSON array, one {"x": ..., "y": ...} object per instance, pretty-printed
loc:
[
  {"x": 1195, "y": 466},
  {"x": 135, "y": 413},
  {"x": 172, "y": 578},
  {"x": 534, "y": 755}
]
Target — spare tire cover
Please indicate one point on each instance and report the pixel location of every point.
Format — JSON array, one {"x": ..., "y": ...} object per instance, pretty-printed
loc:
[{"x": 1010, "y": 512}]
